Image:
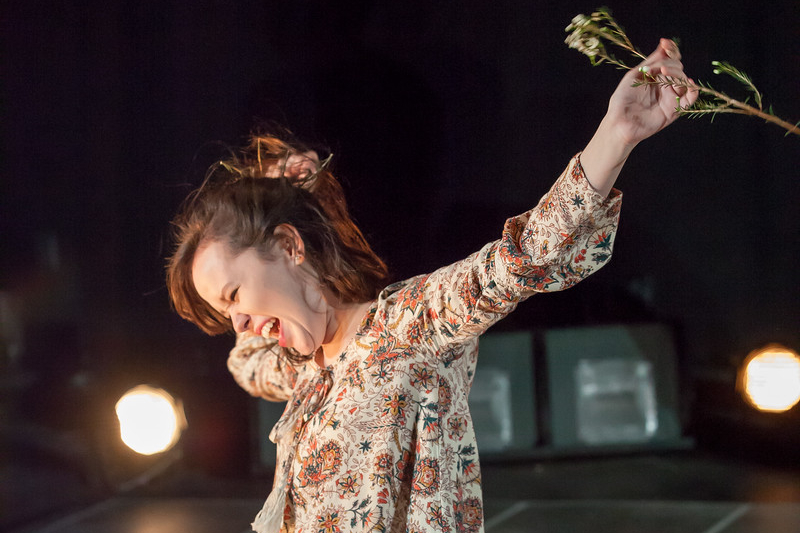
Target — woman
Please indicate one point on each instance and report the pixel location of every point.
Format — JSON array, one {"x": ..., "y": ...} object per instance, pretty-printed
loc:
[{"x": 376, "y": 435}]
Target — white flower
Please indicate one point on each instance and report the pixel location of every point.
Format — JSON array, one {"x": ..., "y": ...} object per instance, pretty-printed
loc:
[
  {"x": 578, "y": 22},
  {"x": 574, "y": 39},
  {"x": 581, "y": 20}
]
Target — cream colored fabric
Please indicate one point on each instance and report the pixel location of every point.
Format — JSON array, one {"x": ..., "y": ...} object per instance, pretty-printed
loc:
[{"x": 382, "y": 439}]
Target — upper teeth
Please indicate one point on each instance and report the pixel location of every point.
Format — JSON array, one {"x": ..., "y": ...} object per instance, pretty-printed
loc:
[{"x": 266, "y": 328}]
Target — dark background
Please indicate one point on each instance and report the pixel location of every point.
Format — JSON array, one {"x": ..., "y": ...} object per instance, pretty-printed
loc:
[{"x": 445, "y": 118}]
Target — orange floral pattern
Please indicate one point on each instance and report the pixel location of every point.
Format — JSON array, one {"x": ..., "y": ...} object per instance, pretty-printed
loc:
[{"x": 386, "y": 442}]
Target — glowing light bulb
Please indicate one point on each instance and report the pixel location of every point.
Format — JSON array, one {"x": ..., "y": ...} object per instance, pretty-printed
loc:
[
  {"x": 770, "y": 378},
  {"x": 150, "y": 420}
]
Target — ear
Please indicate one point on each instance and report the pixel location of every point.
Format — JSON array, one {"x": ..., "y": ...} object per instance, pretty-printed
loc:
[{"x": 288, "y": 241}]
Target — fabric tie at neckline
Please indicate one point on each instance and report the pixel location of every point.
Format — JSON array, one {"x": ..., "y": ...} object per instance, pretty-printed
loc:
[{"x": 286, "y": 434}]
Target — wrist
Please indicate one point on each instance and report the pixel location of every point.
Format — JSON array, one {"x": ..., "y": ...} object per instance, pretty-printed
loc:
[
  {"x": 605, "y": 155},
  {"x": 612, "y": 136}
]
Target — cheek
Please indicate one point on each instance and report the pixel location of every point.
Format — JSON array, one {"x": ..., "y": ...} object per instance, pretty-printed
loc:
[
  {"x": 314, "y": 300},
  {"x": 309, "y": 293}
]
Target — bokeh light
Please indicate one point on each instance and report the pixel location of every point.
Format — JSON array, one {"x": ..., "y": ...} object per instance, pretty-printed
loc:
[
  {"x": 150, "y": 420},
  {"x": 770, "y": 378}
]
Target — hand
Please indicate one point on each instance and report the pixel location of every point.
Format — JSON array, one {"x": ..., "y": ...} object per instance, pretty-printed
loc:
[
  {"x": 636, "y": 113},
  {"x": 296, "y": 167}
]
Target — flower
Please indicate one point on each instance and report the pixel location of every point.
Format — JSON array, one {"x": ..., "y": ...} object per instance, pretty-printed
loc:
[
  {"x": 456, "y": 427},
  {"x": 579, "y": 21},
  {"x": 591, "y": 35},
  {"x": 436, "y": 516},
  {"x": 320, "y": 465},
  {"x": 422, "y": 376},
  {"x": 394, "y": 406},
  {"x": 426, "y": 477},
  {"x": 573, "y": 39},
  {"x": 469, "y": 515},
  {"x": 592, "y": 45},
  {"x": 329, "y": 523},
  {"x": 383, "y": 463},
  {"x": 349, "y": 484},
  {"x": 382, "y": 470},
  {"x": 585, "y": 42}
]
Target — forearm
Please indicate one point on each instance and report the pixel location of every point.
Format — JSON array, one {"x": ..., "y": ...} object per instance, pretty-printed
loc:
[
  {"x": 258, "y": 368},
  {"x": 604, "y": 156}
]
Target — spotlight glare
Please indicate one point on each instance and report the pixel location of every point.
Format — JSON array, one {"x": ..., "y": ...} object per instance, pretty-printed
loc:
[
  {"x": 770, "y": 378},
  {"x": 150, "y": 420}
]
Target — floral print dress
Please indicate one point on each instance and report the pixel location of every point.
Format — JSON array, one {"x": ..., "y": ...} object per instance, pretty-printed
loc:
[{"x": 382, "y": 440}]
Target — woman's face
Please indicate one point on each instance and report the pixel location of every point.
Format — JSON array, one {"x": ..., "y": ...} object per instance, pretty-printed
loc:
[{"x": 277, "y": 297}]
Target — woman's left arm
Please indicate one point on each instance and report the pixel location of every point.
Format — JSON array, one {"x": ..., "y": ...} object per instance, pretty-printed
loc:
[
  {"x": 566, "y": 237},
  {"x": 634, "y": 114}
]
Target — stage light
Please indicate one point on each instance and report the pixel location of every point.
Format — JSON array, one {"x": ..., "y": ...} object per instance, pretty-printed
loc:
[
  {"x": 150, "y": 420},
  {"x": 769, "y": 378}
]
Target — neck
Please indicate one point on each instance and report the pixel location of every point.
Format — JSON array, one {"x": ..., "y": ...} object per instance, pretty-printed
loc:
[{"x": 344, "y": 322}]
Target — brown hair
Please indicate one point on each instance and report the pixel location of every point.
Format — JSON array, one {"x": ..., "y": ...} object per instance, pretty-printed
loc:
[{"x": 241, "y": 207}]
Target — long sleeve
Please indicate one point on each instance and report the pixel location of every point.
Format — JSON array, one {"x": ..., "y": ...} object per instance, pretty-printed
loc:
[
  {"x": 258, "y": 367},
  {"x": 565, "y": 238}
]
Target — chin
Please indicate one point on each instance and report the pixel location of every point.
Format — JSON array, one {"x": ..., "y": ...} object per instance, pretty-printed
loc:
[{"x": 306, "y": 349}]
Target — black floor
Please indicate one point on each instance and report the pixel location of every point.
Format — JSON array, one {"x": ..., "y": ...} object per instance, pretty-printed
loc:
[{"x": 675, "y": 492}]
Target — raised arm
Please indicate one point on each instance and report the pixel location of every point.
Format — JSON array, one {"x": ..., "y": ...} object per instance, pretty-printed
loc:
[{"x": 634, "y": 114}]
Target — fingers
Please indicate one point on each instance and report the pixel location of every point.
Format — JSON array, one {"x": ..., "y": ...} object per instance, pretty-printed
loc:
[
  {"x": 691, "y": 95},
  {"x": 302, "y": 165},
  {"x": 671, "y": 68},
  {"x": 665, "y": 61},
  {"x": 670, "y": 49},
  {"x": 296, "y": 166},
  {"x": 666, "y": 49}
]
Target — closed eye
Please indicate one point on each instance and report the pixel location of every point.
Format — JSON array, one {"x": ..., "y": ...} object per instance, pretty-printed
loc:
[{"x": 231, "y": 298}]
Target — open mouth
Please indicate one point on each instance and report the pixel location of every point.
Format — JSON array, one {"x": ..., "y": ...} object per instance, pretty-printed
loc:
[{"x": 271, "y": 328}]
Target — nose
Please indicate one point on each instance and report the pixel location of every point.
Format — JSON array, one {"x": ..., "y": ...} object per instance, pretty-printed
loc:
[{"x": 241, "y": 322}]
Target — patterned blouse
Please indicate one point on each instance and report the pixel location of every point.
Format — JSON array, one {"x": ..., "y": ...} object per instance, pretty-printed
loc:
[{"x": 382, "y": 439}]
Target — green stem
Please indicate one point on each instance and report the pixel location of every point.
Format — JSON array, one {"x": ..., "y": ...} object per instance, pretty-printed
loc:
[
  {"x": 738, "y": 106},
  {"x": 615, "y": 35},
  {"x": 746, "y": 109}
]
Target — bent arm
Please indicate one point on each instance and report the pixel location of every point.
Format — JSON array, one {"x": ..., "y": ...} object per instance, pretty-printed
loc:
[{"x": 259, "y": 368}]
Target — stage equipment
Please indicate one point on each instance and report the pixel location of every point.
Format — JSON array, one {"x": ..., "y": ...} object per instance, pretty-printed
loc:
[
  {"x": 502, "y": 402},
  {"x": 769, "y": 378},
  {"x": 151, "y": 420},
  {"x": 562, "y": 392},
  {"x": 612, "y": 386}
]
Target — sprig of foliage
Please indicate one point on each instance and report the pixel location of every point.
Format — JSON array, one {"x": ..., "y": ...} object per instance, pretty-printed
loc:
[
  {"x": 589, "y": 36},
  {"x": 723, "y": 67},
  {"x": 597, "y": 34}
]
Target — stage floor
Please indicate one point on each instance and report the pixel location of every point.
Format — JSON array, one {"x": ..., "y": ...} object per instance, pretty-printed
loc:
[
  {"x": 215, "y": 515},
  {"x": 678, "y": 493}
]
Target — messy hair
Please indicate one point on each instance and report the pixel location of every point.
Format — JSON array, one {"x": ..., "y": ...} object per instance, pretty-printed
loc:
[{"x": 241, "y": 202}]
